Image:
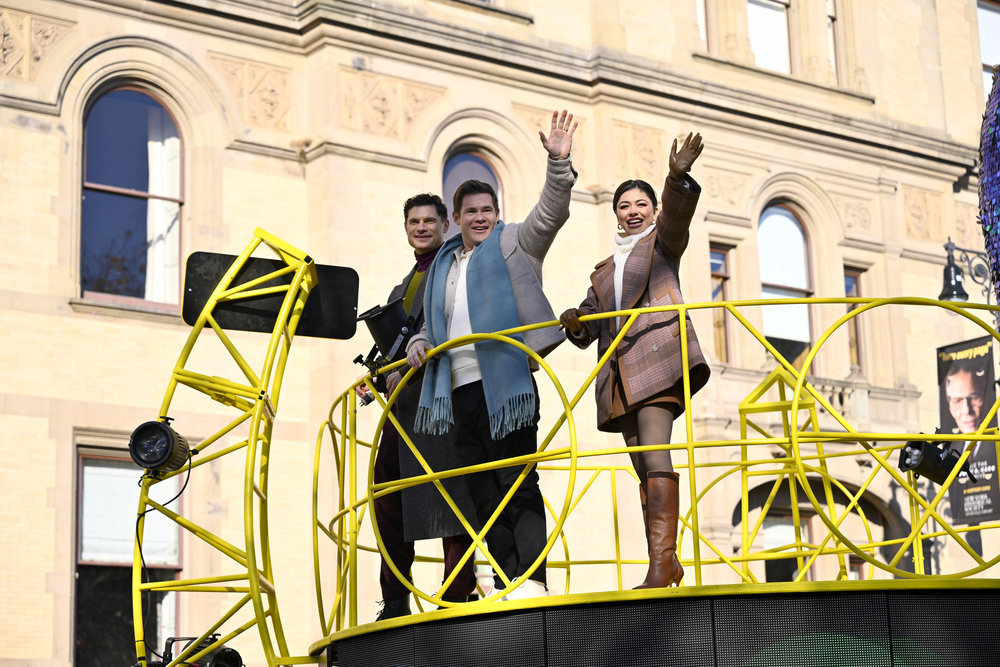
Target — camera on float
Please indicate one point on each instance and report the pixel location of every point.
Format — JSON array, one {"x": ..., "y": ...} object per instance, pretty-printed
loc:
[{"x": 391, "y": 329}]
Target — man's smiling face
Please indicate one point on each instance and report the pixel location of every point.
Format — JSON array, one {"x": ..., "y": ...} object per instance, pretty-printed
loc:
[
  {"x": 424, "y": 229},
  {"x": 476, "y": 218}
]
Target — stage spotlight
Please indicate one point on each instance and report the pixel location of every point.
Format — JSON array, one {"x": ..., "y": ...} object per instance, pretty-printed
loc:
[
  {"x": 157, "y": 447},
  {"x": 933, "y": 460},
  {"x": 226, "y": 657}
]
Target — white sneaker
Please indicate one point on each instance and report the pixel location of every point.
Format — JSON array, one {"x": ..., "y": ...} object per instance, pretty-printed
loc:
[
  {"x": 490, "y": 589},
  {"x": 529, "y": 588}
]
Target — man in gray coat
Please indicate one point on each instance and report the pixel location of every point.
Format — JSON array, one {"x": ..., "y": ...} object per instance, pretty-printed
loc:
[{"x": 489, "y": 279}]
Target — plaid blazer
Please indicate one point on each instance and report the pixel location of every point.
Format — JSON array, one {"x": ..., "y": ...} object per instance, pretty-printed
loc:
[{"x": 648, "y": 360}]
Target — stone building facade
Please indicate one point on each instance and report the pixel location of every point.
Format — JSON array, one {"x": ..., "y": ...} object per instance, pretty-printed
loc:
[{"x": 854, "y": 123}]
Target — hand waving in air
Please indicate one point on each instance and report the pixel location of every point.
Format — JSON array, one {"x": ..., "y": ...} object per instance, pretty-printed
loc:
[
  {"x": 560, "y": 139},
  {"x": 681, "y": 160}
]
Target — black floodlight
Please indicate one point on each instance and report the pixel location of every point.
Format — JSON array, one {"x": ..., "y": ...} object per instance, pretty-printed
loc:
[
  {"x": 156, "y": 446},
  {"x": 226, "y": 657},
  {"x": 933, "y": 460}
]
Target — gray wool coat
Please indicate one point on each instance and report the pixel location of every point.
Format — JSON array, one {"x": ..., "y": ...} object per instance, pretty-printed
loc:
[
  {"x": 524, "y": 246},
  {"x": 648, "y": 360}
]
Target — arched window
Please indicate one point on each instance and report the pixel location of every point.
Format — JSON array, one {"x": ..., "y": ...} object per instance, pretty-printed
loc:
[
  {"x": 130, "y": 215},
  {"x": 461, "y": 167},
  {"x": 784, "y": 274}
]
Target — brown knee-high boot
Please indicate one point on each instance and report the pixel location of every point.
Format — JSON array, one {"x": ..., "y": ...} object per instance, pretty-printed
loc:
[
  {"x": 663, "y": 498},
  {"x": 645, "y": 511}
]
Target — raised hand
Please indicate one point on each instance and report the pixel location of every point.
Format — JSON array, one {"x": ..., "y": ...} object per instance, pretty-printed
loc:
[
  {"x": 560, "y": 139},
  {"x": 681, "y": 160}
]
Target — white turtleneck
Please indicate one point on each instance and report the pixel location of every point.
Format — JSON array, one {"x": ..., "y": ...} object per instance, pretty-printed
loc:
[{"x": 625, "y": 245}]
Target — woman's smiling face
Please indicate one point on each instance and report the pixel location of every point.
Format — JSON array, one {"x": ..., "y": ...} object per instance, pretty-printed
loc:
[{"x": 635, "y": 211}]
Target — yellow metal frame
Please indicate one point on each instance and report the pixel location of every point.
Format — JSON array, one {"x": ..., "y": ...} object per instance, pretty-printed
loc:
[
  {"x": 795, "y": 459},
  {"x": 254, "y": 397}
]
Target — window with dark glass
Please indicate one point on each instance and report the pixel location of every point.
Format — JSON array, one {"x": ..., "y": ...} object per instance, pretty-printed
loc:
[
  {"x": 462, "y": 167},
  {"x": 130, "y": 213},
  {"x": 719, "y": 260},
  {"x": 784, "y": 274},
  {"x": 108, "y": 495},
  {"x": 852, "y": 289}
]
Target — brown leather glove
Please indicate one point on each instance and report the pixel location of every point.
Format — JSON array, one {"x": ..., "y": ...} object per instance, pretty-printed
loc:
[{"x": 570, "y": 321}]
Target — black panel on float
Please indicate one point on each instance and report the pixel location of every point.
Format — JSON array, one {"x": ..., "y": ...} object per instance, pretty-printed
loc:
[
  {"x": 331, "y": 310},
  {"x": 848, "y": 628}
]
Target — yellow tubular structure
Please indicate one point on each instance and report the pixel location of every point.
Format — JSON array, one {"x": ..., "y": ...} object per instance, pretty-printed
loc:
[
  {"x": 792, "y": 441},
  {"x": 254, "y": 395}
]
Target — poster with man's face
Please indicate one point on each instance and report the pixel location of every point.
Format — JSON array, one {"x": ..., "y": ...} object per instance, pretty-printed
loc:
[{"x": 967, "y": 392}]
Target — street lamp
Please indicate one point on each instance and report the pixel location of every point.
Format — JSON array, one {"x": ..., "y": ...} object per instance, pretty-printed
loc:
[{"x": 978, "y": 266}]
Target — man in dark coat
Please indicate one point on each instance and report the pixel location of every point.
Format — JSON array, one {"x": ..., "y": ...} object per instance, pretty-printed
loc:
[
  {"x": 489, "y": 278},
  {"x": 420, "y": 511}
]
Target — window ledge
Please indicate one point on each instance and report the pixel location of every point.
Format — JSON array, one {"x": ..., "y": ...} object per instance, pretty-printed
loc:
[
  {"x": 865, "y": 97},
  {"x": 147, "y": 311},
  {"x": 518, "y": 17}
]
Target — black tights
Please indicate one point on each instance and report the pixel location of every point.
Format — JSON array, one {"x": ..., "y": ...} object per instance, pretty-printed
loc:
[{"x": 649, "y": 425}]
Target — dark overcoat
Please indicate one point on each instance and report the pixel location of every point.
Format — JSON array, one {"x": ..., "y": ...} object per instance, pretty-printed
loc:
[
  {"x": 425, "y": 513},
  {"x": 648, "y": 360}
]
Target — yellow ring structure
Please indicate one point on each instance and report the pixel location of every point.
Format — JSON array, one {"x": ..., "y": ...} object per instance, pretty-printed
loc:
[
  {"x": 795, "y": 471},
  {"x": 254, "y": 396},
  {"x": 929, "y": 510}
]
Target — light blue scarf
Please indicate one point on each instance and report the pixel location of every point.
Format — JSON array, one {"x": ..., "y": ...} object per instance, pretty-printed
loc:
[{"x": 510, "y": 394}]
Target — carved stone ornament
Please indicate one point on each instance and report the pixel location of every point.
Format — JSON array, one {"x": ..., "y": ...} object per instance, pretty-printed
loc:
[
  {"x": 855, "y": 213},
  {"x": 261, "y": 90},
  {"x": 721, "y": 185},
  {"x": 640, "y": 152},
  {"x": 382, "y": 105},
  {"x": 968, "y": 233},
  {"x": 25, "y": 39},
  {"x": 922, "y": 211}
]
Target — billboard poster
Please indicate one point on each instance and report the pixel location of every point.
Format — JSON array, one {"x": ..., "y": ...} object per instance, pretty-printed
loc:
[{"x": 967, "y": 391}]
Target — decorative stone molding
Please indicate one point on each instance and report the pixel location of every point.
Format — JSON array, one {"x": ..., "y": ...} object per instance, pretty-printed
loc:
[
  {"x": 856, "y": 214},
  {"x": 922, "y": 210},
  {"x": 382, "y": 105},
  {"x": 968, "y": 233},
  {"x": 723, "y": 185},
  {"x": 741, "y": 221},
  {"x": 25, "y": 39},
  {"x": 261, "y": 90},
  {"x": 640, "y": 152}
]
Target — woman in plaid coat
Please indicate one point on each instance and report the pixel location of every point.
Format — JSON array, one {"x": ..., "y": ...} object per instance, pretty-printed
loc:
[{"x": 640, "y": 390}]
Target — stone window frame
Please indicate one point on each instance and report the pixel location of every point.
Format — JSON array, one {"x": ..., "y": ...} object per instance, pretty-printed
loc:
[
  {"x": 727, "y": 40},
  {"x": 120, "y": 300}
]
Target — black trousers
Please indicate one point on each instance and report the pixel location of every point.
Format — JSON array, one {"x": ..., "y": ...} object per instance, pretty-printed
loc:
[
  {"x": 389, "y": 515},
  {"x": 518, "y": 536}
]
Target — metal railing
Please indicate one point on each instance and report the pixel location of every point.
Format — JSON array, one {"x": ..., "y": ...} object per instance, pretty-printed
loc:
[{"x": 790, "y": 466}]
